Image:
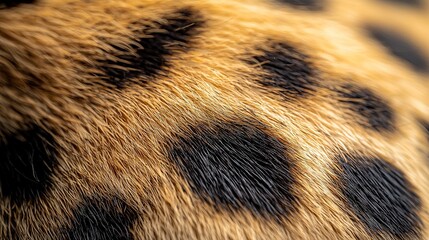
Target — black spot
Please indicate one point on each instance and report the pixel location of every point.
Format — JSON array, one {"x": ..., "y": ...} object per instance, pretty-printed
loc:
[
  {"x": 236, "y": 166},
  {"x": 310, "y": 5},
  {"x": 400, "y": 47},
  {"x": 99, "y": 218},
  {"x": 411, "y": 3},
  {"x": 289, "y": 70},
  {"x": 13, "y": 3},
  {"x": 150, "y": 55},
  {"x": 27, "y": 159},
  {"x": 380, "y": 196},
  {"x": 375, "y": 113}
]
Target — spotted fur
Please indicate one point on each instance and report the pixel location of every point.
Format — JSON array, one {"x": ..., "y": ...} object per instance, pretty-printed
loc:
[{"x": 215, "y": 119}]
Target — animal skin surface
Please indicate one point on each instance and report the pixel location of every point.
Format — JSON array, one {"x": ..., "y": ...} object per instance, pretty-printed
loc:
[{"x": 214, "y": 119}]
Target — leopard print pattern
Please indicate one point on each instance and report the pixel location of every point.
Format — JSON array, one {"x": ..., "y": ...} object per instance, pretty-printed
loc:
[{"x": 214, "y": 119}]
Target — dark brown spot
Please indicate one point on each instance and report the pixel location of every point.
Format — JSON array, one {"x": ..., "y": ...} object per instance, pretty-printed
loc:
[
  {"x": 27, "y": 160},
  {"x": 99, "y": 218},
  {"x": 372, "y": 110},
  {"x": 288, "y": 71},
  {"x": 151, "y": 55},
  {"x": 237, "y": 165},
  {"x": 400, "y": 47},
  {"x": 380, "y": 196}
]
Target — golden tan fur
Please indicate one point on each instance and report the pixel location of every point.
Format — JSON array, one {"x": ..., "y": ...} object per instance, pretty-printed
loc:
[{"x": 116, "y": 141}]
